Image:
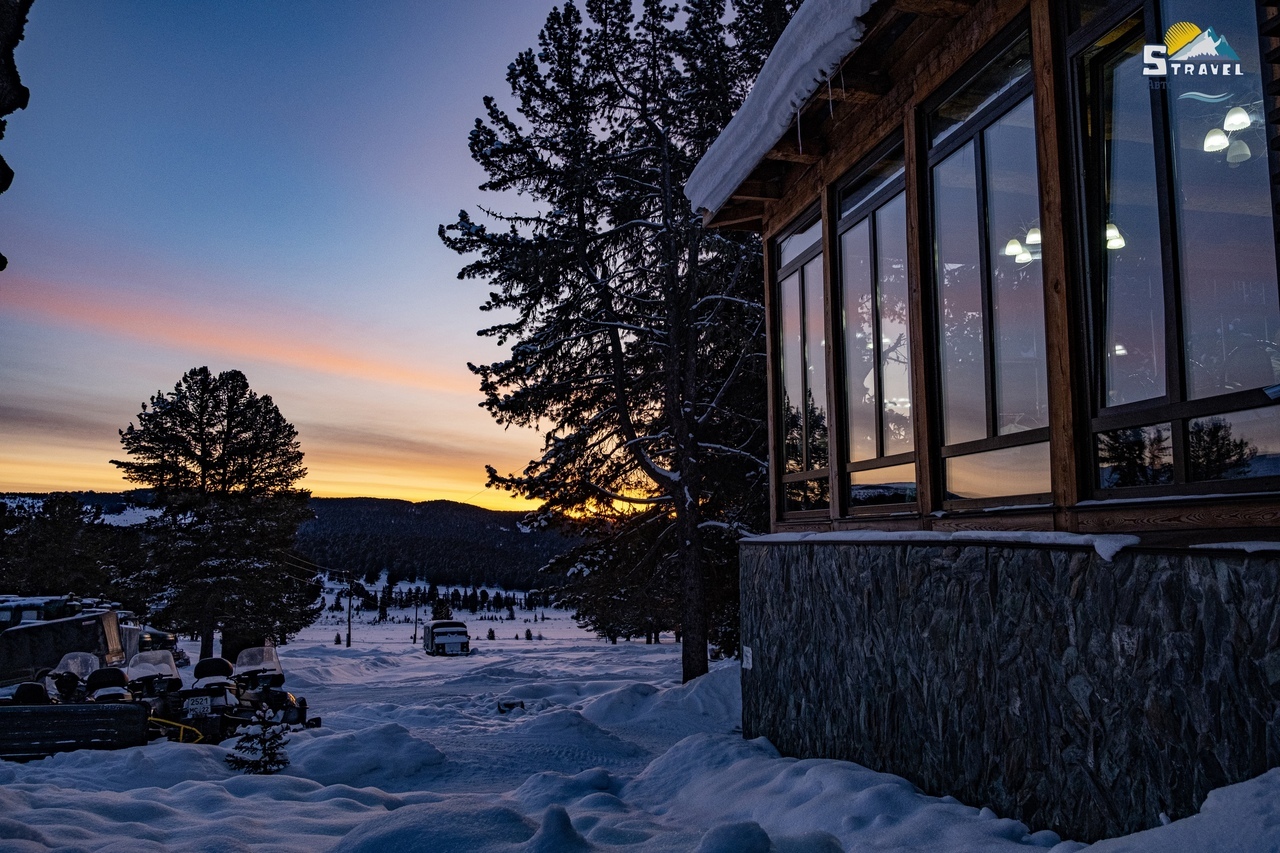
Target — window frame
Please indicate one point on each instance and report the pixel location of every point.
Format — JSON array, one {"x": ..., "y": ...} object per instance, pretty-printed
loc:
[
  {"x": 971, "y": 131},
  {"x": 1173, "y": 407},
  {"x": 865, "y": 211},
  {"x": 811, "y": 216}
]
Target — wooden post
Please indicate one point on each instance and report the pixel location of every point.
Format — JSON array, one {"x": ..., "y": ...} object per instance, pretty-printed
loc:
[
  {"x": 920, "y": 322},
  {"x": 1060, "y": 319}
]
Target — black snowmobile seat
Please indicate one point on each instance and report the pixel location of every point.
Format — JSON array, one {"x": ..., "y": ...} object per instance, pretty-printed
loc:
[
  {"x": 110, "y": 676},
  {"x": 213, "y": 668},
  {"x": 31, "y": 693}
]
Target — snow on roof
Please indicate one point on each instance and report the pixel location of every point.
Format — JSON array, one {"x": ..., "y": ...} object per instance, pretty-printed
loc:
[{"x": 821, "y": 34}]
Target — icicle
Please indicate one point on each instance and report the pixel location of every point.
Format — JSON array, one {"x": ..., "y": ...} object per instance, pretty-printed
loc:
[
  {"x": 831, "y": 110},
  {"x": 799, "y": 139}
]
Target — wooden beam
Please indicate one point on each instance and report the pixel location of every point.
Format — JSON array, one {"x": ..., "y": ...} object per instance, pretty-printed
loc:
[
  {"x": 757, "y": 191},
  {"x": 858, "y": 87},
  {"x": 791, "y": 152},
  {"x": 737, "y": 215},
  {"x": 936, "y": 8}
]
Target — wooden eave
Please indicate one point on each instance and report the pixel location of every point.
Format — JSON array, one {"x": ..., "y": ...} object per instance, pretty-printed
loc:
[{"x": 899, "y": 36}]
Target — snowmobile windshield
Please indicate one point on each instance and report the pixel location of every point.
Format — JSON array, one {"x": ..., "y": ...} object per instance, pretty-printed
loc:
[
  {"x": 153, "y": 663},
  {"x": 79, "y": 663},
  {"x": 256, "y": 660}
]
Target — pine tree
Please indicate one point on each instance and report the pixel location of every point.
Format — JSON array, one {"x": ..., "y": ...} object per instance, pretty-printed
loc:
[
  {"x": 223, "y": 462},
  {"x": 636, "y": 335},
  {"x": 260, "y": 749}
]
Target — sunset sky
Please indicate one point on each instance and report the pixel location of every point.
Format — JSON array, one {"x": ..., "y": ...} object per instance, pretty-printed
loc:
[{"x": 256, "y": 186}]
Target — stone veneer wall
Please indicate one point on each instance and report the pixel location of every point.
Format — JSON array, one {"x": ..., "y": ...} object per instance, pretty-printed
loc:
[{"x": 1072, "y": 693}]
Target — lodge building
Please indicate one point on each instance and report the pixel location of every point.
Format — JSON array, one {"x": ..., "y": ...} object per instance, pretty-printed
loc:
[{"x": 1024, "y": 389}]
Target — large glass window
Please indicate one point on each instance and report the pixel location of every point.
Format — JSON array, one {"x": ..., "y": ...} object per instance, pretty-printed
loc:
[
  {"x": 876, "y": 340},
  {"x": 1180, "y": 245},
  {"x": 802, "y": 352},
  {"x": 989, "y": 283}
]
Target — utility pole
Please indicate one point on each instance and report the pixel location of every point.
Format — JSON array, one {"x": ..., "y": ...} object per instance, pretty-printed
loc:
[
  {"x": 349, "y": 597},
  {"x": 415, "y": 618}
]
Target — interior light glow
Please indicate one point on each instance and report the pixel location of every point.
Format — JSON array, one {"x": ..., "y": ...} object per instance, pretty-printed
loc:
[
  {"x": 1215, "y": 140},
  {"x": 1238, "y": 152},
  {"x": 1115, "y": 240},
  {"x": 1024, "y": 258},
  {"x": 1033, "y": 237},
  {"x": 1013, "y": 248},
  {"x": 1120, "y": 350},
  {"x": 1237, "y": 119}
]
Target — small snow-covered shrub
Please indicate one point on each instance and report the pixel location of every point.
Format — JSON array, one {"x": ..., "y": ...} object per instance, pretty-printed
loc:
[{"x": 260, "y": 750}]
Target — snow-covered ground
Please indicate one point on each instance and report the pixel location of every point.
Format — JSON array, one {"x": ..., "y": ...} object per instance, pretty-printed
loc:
[{"x": 608, "y": 753}]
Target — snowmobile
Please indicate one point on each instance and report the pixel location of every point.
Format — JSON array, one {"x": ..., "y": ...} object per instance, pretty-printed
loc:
[{"x": 224, "y": 697}]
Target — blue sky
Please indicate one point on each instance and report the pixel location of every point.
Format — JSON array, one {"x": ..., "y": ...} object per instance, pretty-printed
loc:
[{"x": 253, "y": 185}]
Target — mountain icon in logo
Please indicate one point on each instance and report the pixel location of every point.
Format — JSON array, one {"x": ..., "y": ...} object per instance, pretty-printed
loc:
[{"x": 1186, "y": 41}]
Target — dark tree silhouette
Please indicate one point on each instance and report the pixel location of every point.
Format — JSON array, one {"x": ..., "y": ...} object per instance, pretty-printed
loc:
[{"x": 223, "y": 463}]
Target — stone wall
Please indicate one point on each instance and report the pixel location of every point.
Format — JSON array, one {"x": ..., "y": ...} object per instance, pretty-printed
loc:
[{"x": 1072, "y": 693}]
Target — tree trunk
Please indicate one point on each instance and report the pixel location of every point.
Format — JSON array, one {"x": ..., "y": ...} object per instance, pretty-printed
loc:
[{"x": 206, "y": 640}]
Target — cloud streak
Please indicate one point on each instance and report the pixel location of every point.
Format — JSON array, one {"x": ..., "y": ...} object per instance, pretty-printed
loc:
[{"x": 271, "y": 334}]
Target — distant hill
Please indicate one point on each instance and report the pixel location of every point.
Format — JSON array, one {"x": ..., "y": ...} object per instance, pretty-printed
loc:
[{"x": 441, "y": 541}]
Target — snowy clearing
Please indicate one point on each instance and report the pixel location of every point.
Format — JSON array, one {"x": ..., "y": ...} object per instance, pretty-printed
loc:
[{"x": 609, "y": 752}]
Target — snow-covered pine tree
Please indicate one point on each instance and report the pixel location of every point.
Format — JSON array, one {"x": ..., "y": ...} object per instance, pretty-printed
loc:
[
  {"x": 260, "y": 748},
  {"x": 636, "y": 335}
]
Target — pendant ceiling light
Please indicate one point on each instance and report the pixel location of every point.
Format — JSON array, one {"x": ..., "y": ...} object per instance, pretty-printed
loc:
[
  {"x": 1215, "y": 140},
  {"x": 1237, "y": 119},
  {"x": 1238, "y": 152}
]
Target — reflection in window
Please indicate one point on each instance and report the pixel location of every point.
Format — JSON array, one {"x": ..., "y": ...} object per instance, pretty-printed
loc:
[
  {"x": 1138, "y": 456},
  {"x": 804, "y": 369},
  {"x": 815, "y": 362},
  {"x": 1013, "y": 216},
  {"x": 959, "y": 283},
  {"x": 999, "y": 473},
  {"x": 806, "y": 495},
  {"x": 1235, "y": 446},
  {"x": 802, "y": 351},
  {"x": 1126, "y": 230},
  {"x": 987, "y": 87},
  {"x": 792, "y": 372},
  {"x": 878, "y": 176},
  {"x": 792, "y": 247},
  {"x": 1226, "y": 242},
  {"x": 877, "y": 344},
  {"x": 880, "y": 486}
]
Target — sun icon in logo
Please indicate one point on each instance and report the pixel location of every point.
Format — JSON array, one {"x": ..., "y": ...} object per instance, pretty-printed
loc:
[
  {"x": 1186, "y": 41},
  {"x": 1180, "y": 35}
]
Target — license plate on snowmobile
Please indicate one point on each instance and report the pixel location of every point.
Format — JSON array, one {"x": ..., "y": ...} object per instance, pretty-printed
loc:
[{"x": 197, "y": 706}]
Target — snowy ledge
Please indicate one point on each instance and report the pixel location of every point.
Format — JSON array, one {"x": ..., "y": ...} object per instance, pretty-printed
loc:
[
  {"x": 821, "y": 34},
  {"x": 1107, "y": 545}
]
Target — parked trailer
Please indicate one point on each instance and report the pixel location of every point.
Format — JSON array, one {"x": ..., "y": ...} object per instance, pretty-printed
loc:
[
  {"x": 35, "y": 731},
  {"x": 28, "y": 649},
  {"x": 446, "y": 637}
]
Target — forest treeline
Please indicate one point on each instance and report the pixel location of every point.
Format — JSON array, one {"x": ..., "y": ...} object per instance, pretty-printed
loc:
[{"x": 433, "y": 541}]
